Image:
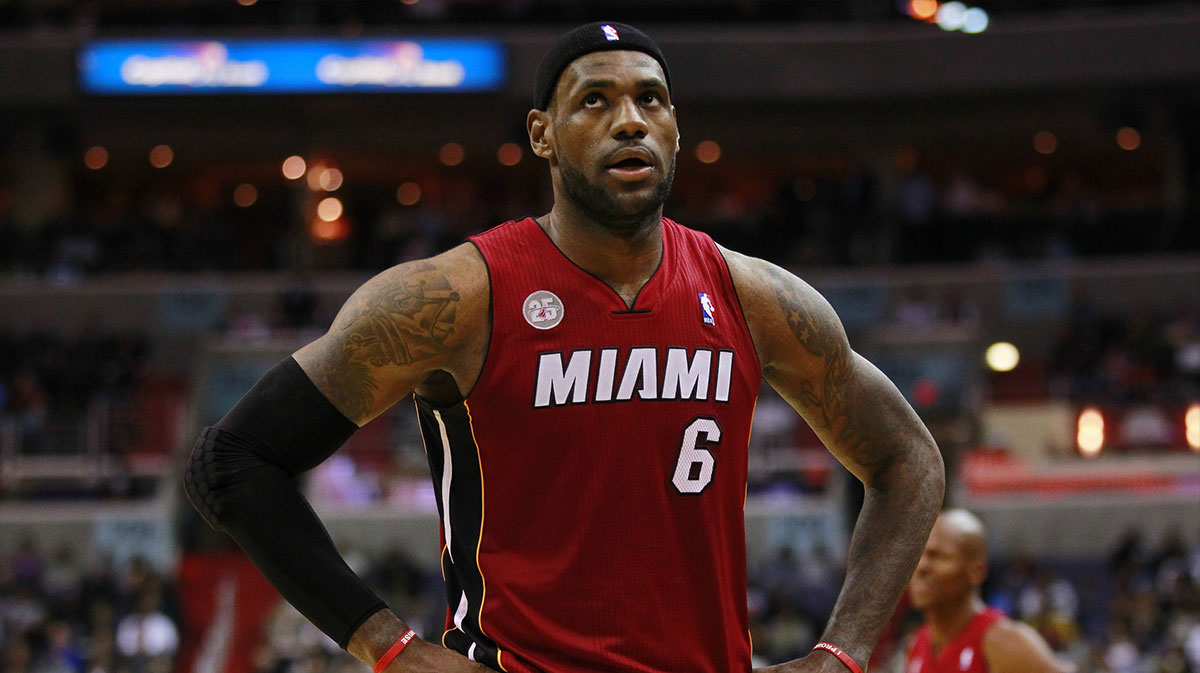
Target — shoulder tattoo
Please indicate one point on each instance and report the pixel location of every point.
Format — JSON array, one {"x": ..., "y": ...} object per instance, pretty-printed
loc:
[
  {"x": 403, "y": 319},
  {"x": 825, "y": 402}
]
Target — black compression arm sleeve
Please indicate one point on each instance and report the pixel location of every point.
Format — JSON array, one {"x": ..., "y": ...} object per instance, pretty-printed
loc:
[{"x": 241, "y": 478}]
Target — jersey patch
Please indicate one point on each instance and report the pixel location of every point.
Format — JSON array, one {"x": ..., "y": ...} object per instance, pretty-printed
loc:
[
  {"x": 707, "y": 310},
  {"x": 610, "y": 33},
  {"x": 543, "y": 309}
]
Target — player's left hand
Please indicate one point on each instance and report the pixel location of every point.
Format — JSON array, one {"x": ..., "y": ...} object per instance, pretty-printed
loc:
[{"x": 815, "y": 662}]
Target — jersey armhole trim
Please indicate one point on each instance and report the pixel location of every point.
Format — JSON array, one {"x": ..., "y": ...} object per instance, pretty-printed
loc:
[
  {"x": 491, "y": 319},
  {"x": 737, "y": 297}
]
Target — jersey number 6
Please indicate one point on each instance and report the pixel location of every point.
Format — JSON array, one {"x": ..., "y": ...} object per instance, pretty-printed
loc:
[{"x": 694, "y": 468}]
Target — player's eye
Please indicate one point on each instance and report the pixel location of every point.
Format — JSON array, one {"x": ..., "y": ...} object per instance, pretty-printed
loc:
[
  {"x": 651, "y": 98},
  {"x": 593, "y": 100}
]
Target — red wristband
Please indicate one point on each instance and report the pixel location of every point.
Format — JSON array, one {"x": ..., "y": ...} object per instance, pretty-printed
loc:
[
  {"x": 837, "y": 652},
  {"x": 394, "y": 651}
]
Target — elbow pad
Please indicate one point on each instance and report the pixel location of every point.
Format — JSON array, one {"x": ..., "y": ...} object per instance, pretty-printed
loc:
[
  {"x": 283, "y": 421},
  {"x": 241, "y": 478}
]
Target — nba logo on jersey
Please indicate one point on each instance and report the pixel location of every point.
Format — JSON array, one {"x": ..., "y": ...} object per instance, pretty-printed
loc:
[
  {"x": 965, "y": 659},
  {"x": 543, "y": 309},
  {"x": 610, "y": 33},
  {"x": 706, "y": 309}
]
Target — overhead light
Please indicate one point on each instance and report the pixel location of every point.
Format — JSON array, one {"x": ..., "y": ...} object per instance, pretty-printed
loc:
[
  {"x": 1128, "y": 138},
  {"x": 1191, "y": 426},
  {"x": 451, "y": 154},
  {"x": 509, "y": 154},
  {"x": 294, "y": 167},
  {"x": 923, "y": 10},
  {"x": 245, "y": 194},
  {"x": 408, "y": 194},
  {"x": 975, "y": 21},
  {"x": 1002, "y": 357},
  {"x": 1089, "y": 433},
  {"x": 329, "y": 179},
  {"x": 329, "y": 209},
  {"x": 708, "y": 152},
  {"x": 95, "y": 158},
  {"x": 1045, "y": 142},
  {"x": 161, "y": 156}
]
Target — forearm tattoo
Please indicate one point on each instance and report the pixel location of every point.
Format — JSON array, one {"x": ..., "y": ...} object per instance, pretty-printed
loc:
[
  {"x": 843, "y": 403},
  {"x": 408, "y": 317},
  {"x": 852, "y": 404}
]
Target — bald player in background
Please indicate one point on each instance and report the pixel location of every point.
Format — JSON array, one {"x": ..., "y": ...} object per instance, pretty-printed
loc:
[{"x": 961, "y": 633}]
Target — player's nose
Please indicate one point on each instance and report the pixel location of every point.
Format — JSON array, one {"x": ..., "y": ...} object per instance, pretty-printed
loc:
[{"x": 628, "y": 121}]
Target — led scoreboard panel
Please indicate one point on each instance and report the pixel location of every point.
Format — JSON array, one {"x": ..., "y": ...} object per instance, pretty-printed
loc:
[{"x": 290, "y": 66}]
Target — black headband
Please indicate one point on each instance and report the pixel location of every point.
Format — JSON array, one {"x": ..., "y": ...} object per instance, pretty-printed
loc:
[{"x": 600, "y": 36}]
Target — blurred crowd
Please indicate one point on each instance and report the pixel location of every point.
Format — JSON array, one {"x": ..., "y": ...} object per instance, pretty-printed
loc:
[
  {"x": 844, "y": 218},
  {"x": 49, "y": 384},
  {"x": 1136, "y": 612},
  {"x": 60, "y": 613},
  {"x": 1153, "y": 617},
  {"x": 1146, "y": 359}
]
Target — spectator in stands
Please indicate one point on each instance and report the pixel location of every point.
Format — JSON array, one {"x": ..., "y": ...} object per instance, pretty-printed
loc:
[
  {"x": 62, "y": 577},
  {"x": 146, "y": 638},
  {"x": 64, "y": 653},
  {"x": 101, "y": 646},
  {"x": 27, "y": 399},
  {"x": 18, "y": 656},
  {"x": 1121, "y": 655},
  {"x": 24, "y": 611}
]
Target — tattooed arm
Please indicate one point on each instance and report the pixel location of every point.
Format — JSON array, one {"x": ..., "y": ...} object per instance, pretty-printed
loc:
[
  {"x": 421, "y": 326},
  {"x": 865, "y": 422}
]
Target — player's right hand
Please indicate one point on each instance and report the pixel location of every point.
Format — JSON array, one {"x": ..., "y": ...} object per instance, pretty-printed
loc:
[{"x": 425, "y": 657}]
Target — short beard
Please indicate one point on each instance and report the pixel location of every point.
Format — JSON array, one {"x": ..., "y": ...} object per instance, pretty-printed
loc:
[{"x": 604, "y": 207}]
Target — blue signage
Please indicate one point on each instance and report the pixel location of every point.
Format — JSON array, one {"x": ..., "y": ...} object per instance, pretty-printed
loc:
[{"x": 290, "y": 66}]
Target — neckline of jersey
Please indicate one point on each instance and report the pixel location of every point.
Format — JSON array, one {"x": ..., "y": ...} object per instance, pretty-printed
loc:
[
  {"x": 979, "y": 620},
  {"x": 642, "y": 296}
]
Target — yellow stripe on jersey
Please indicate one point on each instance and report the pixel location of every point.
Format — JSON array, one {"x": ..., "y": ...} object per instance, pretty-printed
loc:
[{"x": 479, "y": 541}]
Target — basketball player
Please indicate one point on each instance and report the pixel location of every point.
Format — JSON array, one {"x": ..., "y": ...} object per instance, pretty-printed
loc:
[
  {"x": 585, "y": 382},
  {"x": 961, "y": 634}
]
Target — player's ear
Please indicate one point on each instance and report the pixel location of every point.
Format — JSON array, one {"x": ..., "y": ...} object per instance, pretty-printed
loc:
[
  {"x": 977, "y": 571},
  {"x": 675, "y": 118},
  {"x": 537, "y": 124}
]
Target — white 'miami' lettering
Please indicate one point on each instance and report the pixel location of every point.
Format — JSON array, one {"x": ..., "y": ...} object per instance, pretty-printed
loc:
[
  {"x": 552, "y": 378},
  {"x": 724, "y": 371},
  {"x": 683, "y": 377},
  {"x": 690, "y": 381},
  {"x": 642, "y": 364},
  {"x": 606, "y": 375}
]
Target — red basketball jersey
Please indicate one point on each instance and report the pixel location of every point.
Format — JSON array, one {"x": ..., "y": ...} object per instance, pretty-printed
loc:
[
  {"x": 964, "y": 654},
  {"x": 592, "y": 486}
]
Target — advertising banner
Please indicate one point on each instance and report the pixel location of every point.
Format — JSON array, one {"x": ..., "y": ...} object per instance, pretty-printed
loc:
[{"x": 167, "y": 67}]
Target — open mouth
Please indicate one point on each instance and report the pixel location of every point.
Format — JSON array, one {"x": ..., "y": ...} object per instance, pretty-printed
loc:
[
  {"x": 631, "y": 163},
  {"x": 631, "y": 169}
]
